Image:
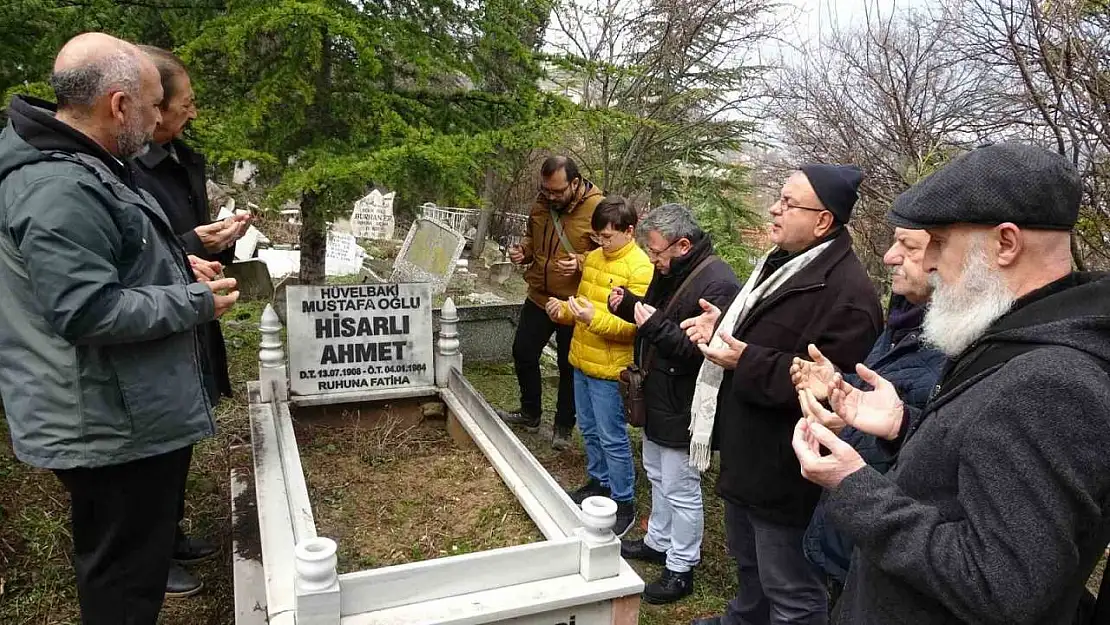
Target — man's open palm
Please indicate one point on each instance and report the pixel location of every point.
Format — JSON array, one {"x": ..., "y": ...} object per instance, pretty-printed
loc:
[
  {"x": 877, "y": 412},
  {"x": 815, "y": 376}
]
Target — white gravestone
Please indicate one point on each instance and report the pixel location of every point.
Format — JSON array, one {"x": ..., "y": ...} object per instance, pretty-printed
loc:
[
  {"x": 344, "y": 255},
  {"x": 430, "y": 254},
  {"x": 372, "y": 217},
  {"x": 366, "y": 336}
]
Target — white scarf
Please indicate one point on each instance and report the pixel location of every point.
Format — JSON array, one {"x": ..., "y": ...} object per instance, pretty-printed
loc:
[{"x": 704, "y": 408}]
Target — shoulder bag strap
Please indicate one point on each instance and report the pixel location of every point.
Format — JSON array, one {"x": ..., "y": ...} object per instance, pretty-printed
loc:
[
  {"x": 649, "y": 351},
  {"x": 562, "y": 235}
]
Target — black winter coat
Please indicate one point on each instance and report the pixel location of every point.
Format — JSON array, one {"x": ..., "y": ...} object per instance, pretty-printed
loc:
[
  {"x": 674, "y": 360},
  {"x": 832, "y": 304},
  {"x": 179, "y": 187},
  {"x": 998, "y": 506}
]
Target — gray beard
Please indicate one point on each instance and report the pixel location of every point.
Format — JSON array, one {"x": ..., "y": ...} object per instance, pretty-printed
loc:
[
  {"x": 133, "y": 141},
  {"x": 960, "y": 313}
]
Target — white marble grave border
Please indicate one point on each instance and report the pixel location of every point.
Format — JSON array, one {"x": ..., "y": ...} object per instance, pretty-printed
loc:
[{"x": 577, "y": 569}]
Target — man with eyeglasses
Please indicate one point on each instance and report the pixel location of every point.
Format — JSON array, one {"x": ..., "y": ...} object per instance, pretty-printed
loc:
[
  {"x": 810, "y": 288},
  {"x": 559, "y": 236},
  {"x": 686, "y": 271}
]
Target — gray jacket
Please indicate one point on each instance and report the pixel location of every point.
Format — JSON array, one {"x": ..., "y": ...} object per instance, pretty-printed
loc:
[
  {"x": 998, "y": 506},
  {"x": 99, "y": 360}
]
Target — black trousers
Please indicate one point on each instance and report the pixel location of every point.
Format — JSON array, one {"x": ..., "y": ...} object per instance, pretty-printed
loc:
[
  {"x": 124, "y": 519},
  {"x": 179, "y": 534},
  {"x": 532, "y": 334}
]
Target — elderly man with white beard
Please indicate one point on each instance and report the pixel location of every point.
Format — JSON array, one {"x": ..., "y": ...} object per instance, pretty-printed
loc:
[{"x": 998, "y": 506}]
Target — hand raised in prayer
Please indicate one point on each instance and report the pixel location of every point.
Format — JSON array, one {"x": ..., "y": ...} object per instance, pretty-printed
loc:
[{"x": 816, "y": 376}]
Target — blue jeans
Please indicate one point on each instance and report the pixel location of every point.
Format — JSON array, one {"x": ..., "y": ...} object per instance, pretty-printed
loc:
[{"x": 601, "y": 420}]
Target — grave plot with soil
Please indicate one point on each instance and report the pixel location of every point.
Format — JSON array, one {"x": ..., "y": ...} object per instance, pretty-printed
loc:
[{"x": 392, "y": 487}]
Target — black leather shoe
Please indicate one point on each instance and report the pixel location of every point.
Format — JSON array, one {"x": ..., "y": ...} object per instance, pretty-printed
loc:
[
  {"x": 670, "y": 587},
  {"x": 709, "y": 620},
  {"x": 638, "y": 550},
  {"x": 181, "y": 583},
  {"x": 191, "y": 550},
  {"x": 592, "y": 488},
  {"x": 529, "y": 423},
  {"x": 626, "y": 517}
]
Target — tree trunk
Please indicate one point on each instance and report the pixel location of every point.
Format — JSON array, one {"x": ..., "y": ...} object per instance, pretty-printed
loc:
[
  {"x": 1076, "y": 254},
  {"x": 489, "y": 194},
  {"x": 314, "y": 242}
]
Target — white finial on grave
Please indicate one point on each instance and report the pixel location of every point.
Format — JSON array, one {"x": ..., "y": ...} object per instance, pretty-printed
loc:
[
  {"x": 599, "y": 553},
  {"x": 598, "y": 516},
  {"x": 271, "y": 358},
  {"x": 315, "y": 564},
  {"x": 447, "y": 347},
  {"x": 317, "y": 582}
]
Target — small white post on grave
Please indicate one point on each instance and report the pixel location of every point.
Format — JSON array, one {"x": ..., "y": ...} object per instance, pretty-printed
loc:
[
  {"x": 272, "y": 372},
  {"x": 600, "y": 547},
  {"x": 447, "y": 347},
  {"x": 317, "y": 582}
]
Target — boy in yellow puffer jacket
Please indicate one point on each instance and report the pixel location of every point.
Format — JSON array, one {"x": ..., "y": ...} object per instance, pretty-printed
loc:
[{"x": 600, "y": 349}]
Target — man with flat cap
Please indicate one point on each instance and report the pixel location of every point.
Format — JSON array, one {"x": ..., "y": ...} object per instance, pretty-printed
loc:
[
  {"x": 810, "y": 288},
  {"x": 998, "y": 505}
]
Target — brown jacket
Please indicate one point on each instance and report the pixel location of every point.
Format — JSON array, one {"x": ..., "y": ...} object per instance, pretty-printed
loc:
[{"x": 542, "y": 246}]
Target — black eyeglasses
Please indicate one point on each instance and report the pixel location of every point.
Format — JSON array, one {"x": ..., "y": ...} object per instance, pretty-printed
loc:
[
  {"x": 653, "y": 254},
  {"x": 785, "y": 206}
]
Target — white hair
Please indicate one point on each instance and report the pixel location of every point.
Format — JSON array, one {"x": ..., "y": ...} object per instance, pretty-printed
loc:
[{"x": 960, "y": 313}]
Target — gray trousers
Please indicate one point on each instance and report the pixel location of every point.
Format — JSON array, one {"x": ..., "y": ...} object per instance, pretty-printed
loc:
[
  {"x": 677, "y": 520},
  {"x": 777, "y": 584}
]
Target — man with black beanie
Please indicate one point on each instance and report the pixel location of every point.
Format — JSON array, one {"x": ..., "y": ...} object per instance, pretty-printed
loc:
[{"x": 810, "y": 288}]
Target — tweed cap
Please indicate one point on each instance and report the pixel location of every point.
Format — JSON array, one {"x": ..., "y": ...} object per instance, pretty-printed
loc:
[{"x": 1005, "y": 182}]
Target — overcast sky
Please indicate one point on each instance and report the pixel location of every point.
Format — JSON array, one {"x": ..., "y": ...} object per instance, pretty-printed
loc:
[{"x": 814, "y": 19}]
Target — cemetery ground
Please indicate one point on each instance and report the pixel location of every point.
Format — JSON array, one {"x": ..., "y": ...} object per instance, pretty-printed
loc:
[{"x": 36, "y": 576}]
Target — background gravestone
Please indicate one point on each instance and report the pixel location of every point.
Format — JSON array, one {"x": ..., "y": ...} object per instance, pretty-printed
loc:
[
  {"x": 345, "y": 338},
  {"x": 253, "y": 277},
  {"x": 372, "y": 217},
  {"x": 430, "y": 254}
]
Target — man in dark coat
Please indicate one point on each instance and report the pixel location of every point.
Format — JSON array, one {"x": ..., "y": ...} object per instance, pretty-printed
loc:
[
  {"x": 998, "y": 506},
  {"x": 901, "y": 357},
  {"x": 810, "y": 289},
  {"x": 686, "y": 267},
  {"x": 174, "y": 174}
]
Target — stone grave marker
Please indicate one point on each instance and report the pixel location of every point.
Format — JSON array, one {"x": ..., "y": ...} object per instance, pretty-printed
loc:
[
  {"x": 344, "y": 255},
  {"x": 430, "y": 254},
  {"x": 254, "y": 280},
  {"x": 280, "y": 299},
  {"x": 345, "y": 338},
  {"x": 372, "y": 217}
]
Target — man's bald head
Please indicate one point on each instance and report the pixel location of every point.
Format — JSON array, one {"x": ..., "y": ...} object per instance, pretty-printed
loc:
[
  {"x": 108, "y": 89},
  {"x": 91, "y": 66}
]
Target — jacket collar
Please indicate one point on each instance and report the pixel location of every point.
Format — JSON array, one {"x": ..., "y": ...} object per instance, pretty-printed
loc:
[
  {"x": 817, "y": 272},
  {"x": 34, "y": 120},
  {"x": 154, "y": 156}
]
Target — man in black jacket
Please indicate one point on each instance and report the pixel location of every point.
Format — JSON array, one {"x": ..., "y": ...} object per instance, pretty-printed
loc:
[
  {"x": 810, "y": 289},
  {"x": 685, "y": 268},
  {"x": 998, "y": 506},
  {"x": 174, "y": 174}
]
